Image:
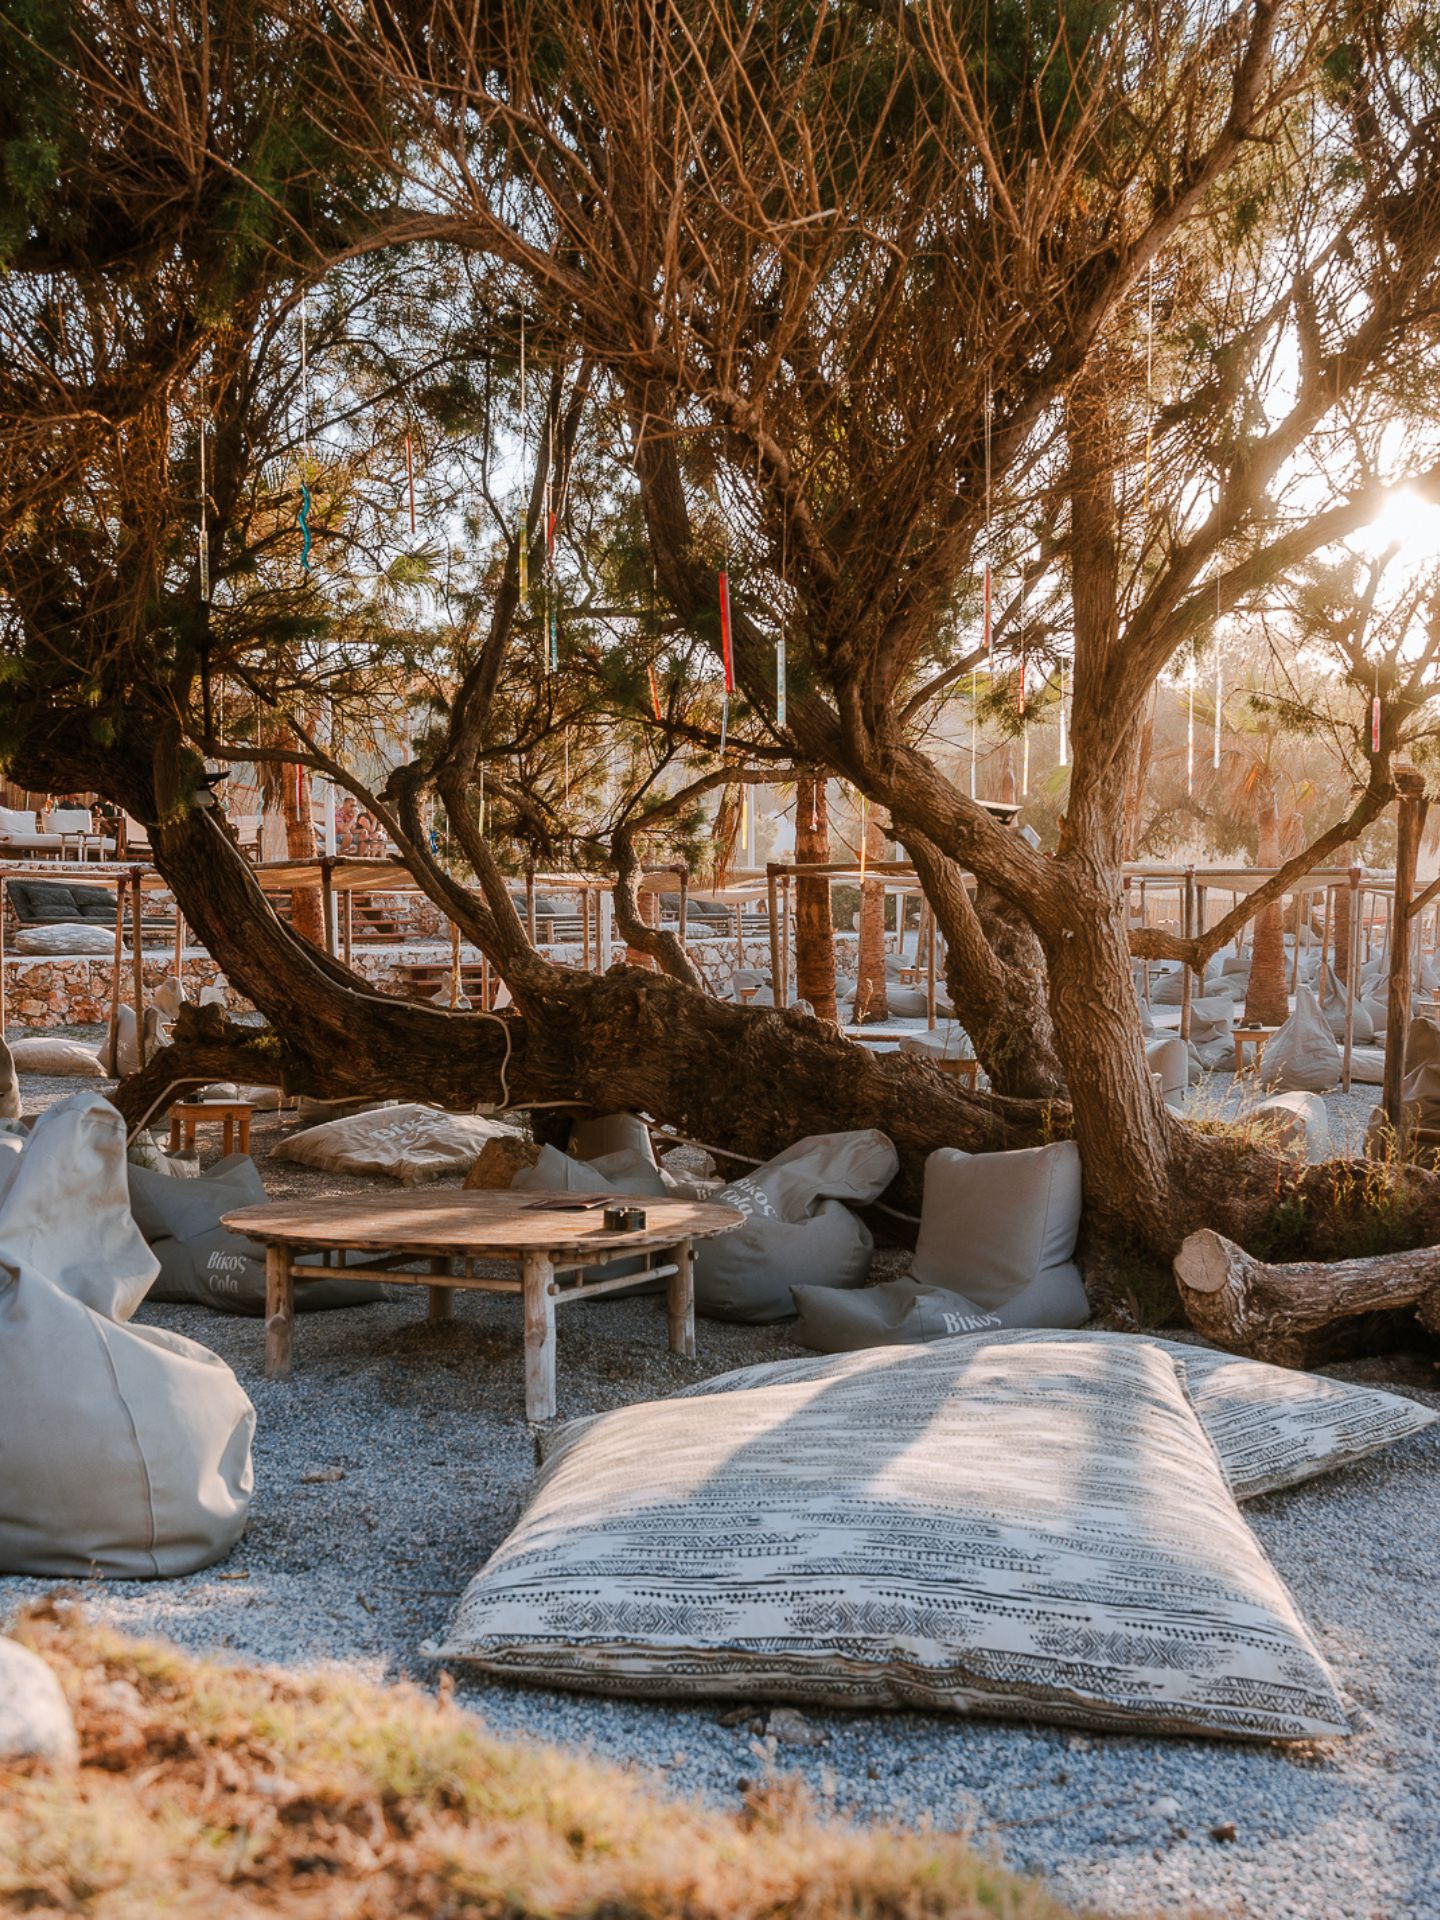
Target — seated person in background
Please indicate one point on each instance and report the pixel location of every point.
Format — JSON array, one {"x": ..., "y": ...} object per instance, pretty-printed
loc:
[{"x": 367, "y": 829}]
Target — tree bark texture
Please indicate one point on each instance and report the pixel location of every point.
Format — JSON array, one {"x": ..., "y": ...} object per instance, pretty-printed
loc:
[
  {"x": 872, "y": 1000},
  {"x": 814, "y": 919},
  {"x": 306, "y": 912},
  {"x": 1302, "y": 1314},
  {"x": 1267, "y": 998}
]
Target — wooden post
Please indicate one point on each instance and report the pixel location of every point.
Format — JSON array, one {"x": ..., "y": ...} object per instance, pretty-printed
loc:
[
  {"x": 538, "y": 1278},
  {"x": 113, "y": 1061},
  {"x": 1352, "y": 967},
  {"x": 279, "y": 1312},
  {"x": 487, "y": 999},
  {"x": 530, "y": 904},
  {"x": 585, "y": 928},
  {"x": 137, "y": 962},
  {"x": 786, "y": 924},
  {"x": 1200, "y": 929},
  {"x": 1187, "y": 922},
  {"x": 349, "y": 925},
  {"x": 327, "y": 901},
  {"x": 930, "y": 1020},
  {"x": 684, "y": 906},
  {"x": 772, "y": 895},
  {"x": 454, "y": 964},
  {"x": 680, "y": 1301},
  {"x": 1412, "y": 806},
  {"x": 178, "y": 962},
  {"x": 2, "y": 958},
  {"x": 440, "y": 1301}
]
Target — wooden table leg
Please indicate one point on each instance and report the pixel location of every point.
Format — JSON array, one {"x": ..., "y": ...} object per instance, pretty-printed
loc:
[
  {"x": 680, "y": 1300},
  {"x": 174, "y": 1133},
  {"x": 538, "y": 1274},
  {"x": 244, "y": 1133},
  {"x": 229, "y": 1136},
  {"x": 441, "y": 1300},
  {"x": 1239, "y": 1054},
  {"x": 191, "y": 1122},
  {"x": 279, "y": 1312}
]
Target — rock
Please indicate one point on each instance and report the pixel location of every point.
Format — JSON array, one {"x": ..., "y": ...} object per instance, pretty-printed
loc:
[
  {"x": 35, "y": 1721},
  {"x": 499, "y": 1161},
  {"x": 1223, "y": 1831},
  {"x": 793, "y": 1729}
]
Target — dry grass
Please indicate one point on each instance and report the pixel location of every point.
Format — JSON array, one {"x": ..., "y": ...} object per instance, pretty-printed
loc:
[{"x": 225, "y": 1791}]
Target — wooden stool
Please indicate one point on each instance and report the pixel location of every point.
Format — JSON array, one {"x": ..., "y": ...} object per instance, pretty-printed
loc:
[
  {"x": 1251, "y": 1037},
  {"x": 187, "y": 1115},
  {"x": 966, "y": 1070}
]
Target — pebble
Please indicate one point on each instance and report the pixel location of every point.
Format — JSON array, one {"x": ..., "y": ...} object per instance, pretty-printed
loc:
[{"x": 35, "y": 1718}]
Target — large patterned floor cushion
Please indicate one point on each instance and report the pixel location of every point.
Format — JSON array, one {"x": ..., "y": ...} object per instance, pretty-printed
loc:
[
  {"x": 202, "y": 1263},
  {"x": 409, "y": 1143},
  {"x": 992, "y": 1224},
  {"x": 798, "y": 1229},
  {"x": 1038, "y": 1531},
  {"x": 54, "y": 1057},
  {"x": 902, "y": 1313},
  {"x": 1272, "y": 1427},
  {"x": 124, "y": 1451}
]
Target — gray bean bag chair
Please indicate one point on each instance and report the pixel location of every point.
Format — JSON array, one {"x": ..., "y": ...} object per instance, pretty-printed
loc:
[
  {"x": 125, "y": 1450},
  {"x": 203, "y": 1264},
  {"x": 903, "y": 1313},
  {"x": 1170, "y": 1058},
  {"x": 1297, "y": 1121},
  {"x": 798, "y": 1230},
  {"x": 1167, "y": 989},
  {"x": 1333, "y": 1005},
  {"x": 628, "y": 1170},
  {"x": 1420, "y": 1089},
  {"x": 9, "y": 1084},
  {"x": 609, "y": 1133},
  {"x": 999, "y": 1229},
  {"x": 1303, "y": 1056}
]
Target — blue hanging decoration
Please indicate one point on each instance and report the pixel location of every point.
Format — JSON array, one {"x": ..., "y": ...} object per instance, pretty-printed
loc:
[
  {"x": 302, "y": 520},
  {"x": 780, "y": 683},
  {"x": 554, "y": 640}
]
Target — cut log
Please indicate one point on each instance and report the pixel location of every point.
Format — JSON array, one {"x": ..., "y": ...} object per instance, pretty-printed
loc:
[{"x": 1297, "y": 1315}]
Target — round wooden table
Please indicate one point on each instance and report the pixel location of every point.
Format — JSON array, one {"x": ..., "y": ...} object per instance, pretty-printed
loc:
[{"x": 551, "y": 1238}]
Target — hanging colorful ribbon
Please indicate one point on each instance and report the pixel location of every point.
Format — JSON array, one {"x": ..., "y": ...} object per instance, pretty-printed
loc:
[
  {"x": 1064, "y": 736},
  {"x": 522, "y": 543},
  {"x": 985, "y": 619},
  {"x": 780, "y": 682},
  {"x": 655, "y": 695},
  {"x": 864, "y": 836},
  {"x": 554, "y": 638},
  {"x": 203, "y": 554},
  {"x": 303, "y": 516},
  {"x": 303, "y": 520},
  {"x": 1149, "y": 379},
  {"x": 974, "y": 712},
  {"x": 727, "y": 645},
  {"x": 1375, "y": 716}
]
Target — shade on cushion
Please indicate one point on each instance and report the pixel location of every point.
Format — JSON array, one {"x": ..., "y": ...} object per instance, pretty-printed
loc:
[
  {"x": 204, "y": 1264},
  {"x": 798, "y": 1231},
  {"x": 409, "y": 1143},
  {"x": 1271, "y": 1426},
  {"x": 37, "y": 902},
  {"x": 991, "y": 1222},
  {"x": 1040, "y": 1531},
  {"x": 611, "y": 1133},
  {"x": 626, "y": 1171},
  {"x": 125, "y": 1450}
]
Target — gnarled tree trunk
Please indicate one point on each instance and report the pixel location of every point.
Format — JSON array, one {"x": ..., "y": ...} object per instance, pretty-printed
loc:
[
  {"x": 872, "y": 1000},
  {"x": 1267, "y": 998}
]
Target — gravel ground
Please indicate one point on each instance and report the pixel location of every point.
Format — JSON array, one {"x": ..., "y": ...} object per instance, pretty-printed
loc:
[{"x": 419, "y": 1433}]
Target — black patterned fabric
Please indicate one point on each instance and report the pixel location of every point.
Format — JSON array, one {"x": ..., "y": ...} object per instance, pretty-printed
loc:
[
  {"x": 1271, "y": 1426},
  {"x": 1038, "y": 1530}
]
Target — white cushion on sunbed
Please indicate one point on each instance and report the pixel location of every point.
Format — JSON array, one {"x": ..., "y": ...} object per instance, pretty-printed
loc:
[
  {"x": 1038, "y": 1531},
  {"x": 59, "y": 936},
  {"x": 408, "y": 1143}
]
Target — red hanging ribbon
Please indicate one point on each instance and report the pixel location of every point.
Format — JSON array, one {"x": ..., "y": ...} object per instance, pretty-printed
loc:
[
  {"x": 1021, "y": 697},
  {"x": 550, "y": 536},
  {"x": 1375, "y": 724},
  {"x": 655, "y": 695},
  {"x": 410, "y": 478},
  {"x": 986, "y": 618},
  {"x": 727, "y": 648}
]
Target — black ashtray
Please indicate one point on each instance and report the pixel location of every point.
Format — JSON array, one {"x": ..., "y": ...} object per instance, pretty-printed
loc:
[{"x": 624, "y": 1219}]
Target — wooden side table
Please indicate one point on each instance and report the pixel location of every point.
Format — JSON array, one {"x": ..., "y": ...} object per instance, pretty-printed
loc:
[
  {"x": 234, "y": 1116},
  {"x": 1251, "y": 1037}
]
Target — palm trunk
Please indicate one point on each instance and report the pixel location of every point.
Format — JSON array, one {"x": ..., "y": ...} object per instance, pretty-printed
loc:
[
  {"x": 814, "y": 921},
  {"x": 1267, "y": 1000},
  {"x": 871, "y": 995}
]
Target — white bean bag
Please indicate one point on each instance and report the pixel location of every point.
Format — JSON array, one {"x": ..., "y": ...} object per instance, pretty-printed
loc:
[
  {"x": 611, "y": 1133},
  {"x": 798, "y": 1230},
  {"x": 1367, "y": 1065},
  {"x": 1272, "y": 1427},
  {"x": 64, "y": 937},
  {"x": 9, "y": 1084},
  {"x": 56, "y": 1059},
  {"x": 1038, "y": 1531},
  {"x": 1362, "y": 1030},
  {"x": 999, "y": 1230},
  {"x": 411, "y": 1144},
  {"x": 126, "y": 1449},
  {"x": 626, "y": 1171},
  {"x": 1167, "y": 989},
  {"x": 170, "y": 996},
  {"x": 1298, "y": 1121},
  {"x": 203, "y": 1264},
  {"x": 1170, "y": 1058},
  {"x": 1302, "y": 1057}
]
